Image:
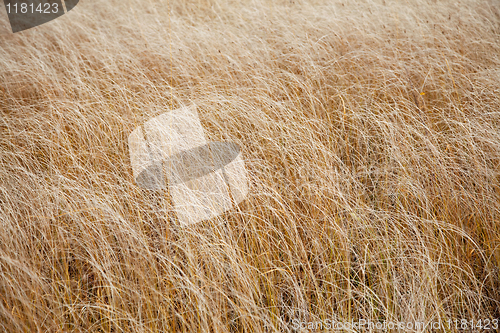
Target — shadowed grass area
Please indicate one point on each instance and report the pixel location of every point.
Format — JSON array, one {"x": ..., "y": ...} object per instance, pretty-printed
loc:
[{"x": 370, "y": 131}]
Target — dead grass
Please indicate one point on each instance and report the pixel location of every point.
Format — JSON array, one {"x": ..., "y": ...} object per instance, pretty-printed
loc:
[{"x": 370, "y": 130}]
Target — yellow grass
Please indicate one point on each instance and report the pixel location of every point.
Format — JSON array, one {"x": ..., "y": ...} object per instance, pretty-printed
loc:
[{"x": 370, "y": 130}]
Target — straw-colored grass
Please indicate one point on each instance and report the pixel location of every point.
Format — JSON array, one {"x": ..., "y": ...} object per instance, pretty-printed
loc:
[{"x": 370, "y": 130}]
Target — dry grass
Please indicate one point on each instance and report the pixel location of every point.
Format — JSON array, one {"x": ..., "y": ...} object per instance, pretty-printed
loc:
[{"x": 370, "y": 130}]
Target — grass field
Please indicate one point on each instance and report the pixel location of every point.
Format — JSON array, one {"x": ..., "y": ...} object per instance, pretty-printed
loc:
[{"x": 370, "y": 131}]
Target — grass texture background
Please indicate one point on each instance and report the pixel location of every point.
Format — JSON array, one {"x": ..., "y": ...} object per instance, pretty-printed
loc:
[{"x": 370, "y": 131}]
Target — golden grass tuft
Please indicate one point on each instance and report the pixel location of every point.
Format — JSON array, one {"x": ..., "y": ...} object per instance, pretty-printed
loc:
[{"x": 370, "y": 130}]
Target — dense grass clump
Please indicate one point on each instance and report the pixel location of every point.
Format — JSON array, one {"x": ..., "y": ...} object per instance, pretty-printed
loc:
[{"x": 370, "y": 130}]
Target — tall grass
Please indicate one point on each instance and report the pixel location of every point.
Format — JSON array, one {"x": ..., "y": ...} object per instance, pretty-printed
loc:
[{"x": 370, "y": 130}]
